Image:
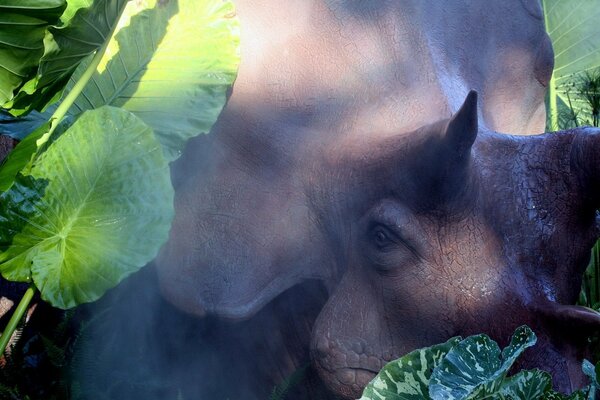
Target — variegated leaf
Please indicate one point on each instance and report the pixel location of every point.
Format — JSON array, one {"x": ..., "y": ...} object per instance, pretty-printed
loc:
[
  {"x": 408, "y": 377},
  {"x": 526, "y": 385},
  {"x": 476, "y": 366}
]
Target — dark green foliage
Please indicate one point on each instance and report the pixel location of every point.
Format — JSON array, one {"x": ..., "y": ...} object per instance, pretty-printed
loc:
[
  {"x": 64, "y": 363},
  {"x": 582, "y": 105},
  {"x": 34, "y": 368},
  {"x": 281, "y": 391},
  {"x": 589, "y": 90},
  {"x": 590, "y": 291}
]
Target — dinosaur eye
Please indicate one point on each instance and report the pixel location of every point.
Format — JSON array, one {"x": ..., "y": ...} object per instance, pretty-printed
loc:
[{"x": 382, "y": 238}]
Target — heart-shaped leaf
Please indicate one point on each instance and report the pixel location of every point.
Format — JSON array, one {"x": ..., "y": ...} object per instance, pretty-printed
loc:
[{"x": 105, "y": 212}]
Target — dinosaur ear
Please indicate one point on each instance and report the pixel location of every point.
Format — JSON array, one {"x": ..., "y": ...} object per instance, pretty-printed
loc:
[{"x": 461, "y": 130}]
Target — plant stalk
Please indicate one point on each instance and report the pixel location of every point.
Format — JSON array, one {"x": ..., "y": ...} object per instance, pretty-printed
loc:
[
  {"x": 76, "y": 90},
  {"x": 552, "y": 103},
  {"x": 16, "y": 318}
]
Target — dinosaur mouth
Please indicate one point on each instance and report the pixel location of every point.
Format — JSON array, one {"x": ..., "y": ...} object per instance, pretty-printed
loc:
[
  {"x": 583, "y": 317},
  {"x": 563, "y": 342},
  {"x": 348, "y": 382}
]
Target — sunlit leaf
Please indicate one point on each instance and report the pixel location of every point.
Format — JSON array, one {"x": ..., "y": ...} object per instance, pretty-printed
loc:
[
  {"x": 23, "y": 25},
  {"x": 105, "y": 212},
  {"x": 574, "y": 29},
  {"x": 171, "y": 64},
  {"x": 65, "y": 47}
]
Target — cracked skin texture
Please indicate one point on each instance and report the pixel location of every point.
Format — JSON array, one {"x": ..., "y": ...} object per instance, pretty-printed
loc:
[
  {"x": 502, "y": 240},
  {"x": 333, "y": 160}
]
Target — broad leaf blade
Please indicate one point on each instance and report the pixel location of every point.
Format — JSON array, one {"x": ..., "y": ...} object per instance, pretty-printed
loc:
[
  {"x": 408, "y": 377},
  {"x": 105, "y": 212},
  {"x": 574, "y": 29},
  {"x": 23, "y": 25},
  {"x": 476, "y": 367},
  {"x": 171, "y": 66},
  {"x": 65, "y": 47}
]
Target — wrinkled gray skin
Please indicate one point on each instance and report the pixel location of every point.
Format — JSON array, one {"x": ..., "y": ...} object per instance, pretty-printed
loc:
[{"x": 334, "y": 159}]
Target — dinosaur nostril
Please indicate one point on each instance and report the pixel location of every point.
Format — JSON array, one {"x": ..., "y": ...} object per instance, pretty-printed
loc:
[{"x": 346, "y": 376}]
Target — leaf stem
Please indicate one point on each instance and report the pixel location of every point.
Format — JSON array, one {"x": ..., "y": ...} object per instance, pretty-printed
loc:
[
  {"x": 16, "y": 317},
  {"x": 76, "y": 90}
]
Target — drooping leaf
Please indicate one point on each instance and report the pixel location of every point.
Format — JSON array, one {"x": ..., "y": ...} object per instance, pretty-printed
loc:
[
  {"x": 23, "y": 155},
  {"x": 574, "y": 29},
  {"x": 105, "y": 212},
  {"x": 593, "y": 372},
  {"x": 408, "y": 377},
  {"x": 526, "y": 385},
  {"x": 87, "y": 29},
  {"x": 476, "y": 366},
  {"x": 23, "y": 25},
  {"x": 19, "y": 127},
  {"x": 21, "y": 204},
  {"x": 19, "y": 157},
  {"x": 170, "y": 64}
]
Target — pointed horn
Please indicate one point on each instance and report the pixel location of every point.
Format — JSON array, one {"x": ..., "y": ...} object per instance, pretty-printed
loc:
[{"x": 462, "y": 127}]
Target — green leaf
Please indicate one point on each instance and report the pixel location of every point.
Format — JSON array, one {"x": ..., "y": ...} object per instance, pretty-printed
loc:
[
  {"x": 408, "y": 377},
  {"x": 21, "y": 204},
  {"x": 20, "y": 156},
  {"x": 106, "y": 210},
  {"x": 552, "y": 395},
  {"x": 19, "y": 127},
  {"x": 23, "y": 25},
  {"x": 591, "y": 372},
  {"x": 574, "y": 29},
  {"x": 476, "y": 367},
  {"x": 526, "y": 385},
  {"x": 171, "y": 64},
  {"x": 65, "y": 47}
]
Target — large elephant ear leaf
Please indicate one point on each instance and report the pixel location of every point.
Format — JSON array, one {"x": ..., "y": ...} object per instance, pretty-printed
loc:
[
  {"x": 574, "y": 29},
  {"x": 86, "y": 27},
  {"x": 476, "y": 368},
  {"x": 23, "y": 25},
  {"x": 171, "y": 64},
  {"x": 408, "y": 377},
  {"x": 105, "y": 212}
]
